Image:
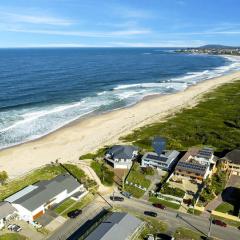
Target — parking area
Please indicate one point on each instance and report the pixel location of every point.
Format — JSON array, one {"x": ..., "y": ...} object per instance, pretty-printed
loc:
[{"x": 27, "y": 230}]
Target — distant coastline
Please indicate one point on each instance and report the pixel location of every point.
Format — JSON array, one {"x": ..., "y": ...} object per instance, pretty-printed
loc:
[{"x": 87, "y": 135}]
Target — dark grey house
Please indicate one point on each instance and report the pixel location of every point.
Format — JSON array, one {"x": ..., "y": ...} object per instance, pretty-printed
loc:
[
  {"x": 119, "y": 226},
  {"x": 121, "y": 156}
]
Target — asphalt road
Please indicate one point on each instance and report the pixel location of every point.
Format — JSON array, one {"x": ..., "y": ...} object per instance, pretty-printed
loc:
[
  {"x": 196, "y": 223},
  {"x": 72, "y": 225}
]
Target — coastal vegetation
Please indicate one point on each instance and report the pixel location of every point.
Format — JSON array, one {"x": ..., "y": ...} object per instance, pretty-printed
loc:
[{"x": 214, "y": 121}]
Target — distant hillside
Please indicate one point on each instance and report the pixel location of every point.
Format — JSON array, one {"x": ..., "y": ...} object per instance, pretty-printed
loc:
[{"x": 217, "y": 46}]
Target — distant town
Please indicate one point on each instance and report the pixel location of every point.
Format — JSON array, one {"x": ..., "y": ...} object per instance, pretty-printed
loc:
[{"x": 212, "y": 49}]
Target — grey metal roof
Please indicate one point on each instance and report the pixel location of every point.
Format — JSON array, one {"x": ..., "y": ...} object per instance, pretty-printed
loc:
[
  {"x": 119, "y": 226},
  {"x": 6, "y": 209},
  {"x": 46, "y": 190},
  {"x": 121, "y": 151},
  {"x": 233, "y": 156}
]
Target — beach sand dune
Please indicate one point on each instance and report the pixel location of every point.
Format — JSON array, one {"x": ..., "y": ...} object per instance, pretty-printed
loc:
[{"x": 87, "y": 135}]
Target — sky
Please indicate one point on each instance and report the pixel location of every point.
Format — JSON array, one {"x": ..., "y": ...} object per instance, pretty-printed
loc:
[{"x": 122, "y": 23}]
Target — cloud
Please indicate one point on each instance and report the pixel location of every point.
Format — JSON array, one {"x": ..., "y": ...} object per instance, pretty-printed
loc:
[
  {"x": 130, "y": 32},
  {"x": 8, "y": 18}
]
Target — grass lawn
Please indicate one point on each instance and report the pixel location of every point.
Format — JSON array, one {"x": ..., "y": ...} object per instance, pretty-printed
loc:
[
  {"x": 225, "y": 207},
  {"x": 204, "y": 124},
  {"x": 195, "y": 211},
  {"x": 164, "y": 202},
  {"x": 13, "y": 236},
  {"x": 80, "y": 204},
  {"x": 227, "y": 221},
  {"x": 136, "y": 192},
  {"x": 63, "y": 206},
  {"x": 45, "y": 173},
  {"x": 186, "y": 234},
  {"x": 137, "y": 177},
  {"x": 75, "y": 171},
  {"x": 152, "y": 226},
  {"x": 103, "y": 172}
]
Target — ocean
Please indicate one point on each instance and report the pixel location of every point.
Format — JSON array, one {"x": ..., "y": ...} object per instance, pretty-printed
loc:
[{"x": 42, "y": 90}]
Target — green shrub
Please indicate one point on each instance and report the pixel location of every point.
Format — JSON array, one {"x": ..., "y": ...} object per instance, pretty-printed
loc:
[{"x": 177, "y": 192}]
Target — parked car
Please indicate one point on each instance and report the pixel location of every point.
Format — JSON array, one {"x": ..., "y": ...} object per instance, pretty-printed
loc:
[
  {"x": 74, "y": 213},
  {"x": 159, "y": 205},
  {"x": 117, "y": 198},
  {"x": 219, "y": 223},
  {"x": 150, "y": 213},
  {"x": 126, "y": 194},
  {"x": 163, "y": 236},
  {"x": 14, "y": 228},
  {"x": 187, "y": 201}
]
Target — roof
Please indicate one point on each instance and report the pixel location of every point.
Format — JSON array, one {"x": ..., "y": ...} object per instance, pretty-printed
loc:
[
  {"x": 121, "y": 151},
  {"x": 6, "y": 209},
  {"x": 166, "y": 157},
  {"x": 43, "y": 191},
  {"x": 119, "y": 226},
  {"x": 190, "y": 161},
  {"x": 233, "y": 156}
]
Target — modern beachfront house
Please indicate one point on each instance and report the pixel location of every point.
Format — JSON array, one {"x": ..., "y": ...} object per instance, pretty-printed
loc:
[
  {"x": 165, "y": 161},
  {"x": 232, "y": 161},
  {"x": 121, "y": 156},
  {"x": 7, "y": 211},
  {"x": 33, "y": 201},
  {"x": 119, "y": 226},
  {"x": 196, "y": 163}
]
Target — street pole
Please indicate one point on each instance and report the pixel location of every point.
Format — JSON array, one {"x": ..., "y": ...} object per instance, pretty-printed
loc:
[{"x": 210, "y": 226}]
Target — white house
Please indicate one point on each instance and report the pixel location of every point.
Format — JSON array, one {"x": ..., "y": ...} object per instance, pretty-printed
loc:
[
  {"x": 32, "y": 201},
  {"x": 121, "y": 156},
  {"x": 164, "y": 161},
  {"x": 6, "y": 212}
]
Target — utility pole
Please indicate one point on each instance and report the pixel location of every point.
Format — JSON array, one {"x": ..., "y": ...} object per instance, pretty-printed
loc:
[{"x": 210, "y": 226}]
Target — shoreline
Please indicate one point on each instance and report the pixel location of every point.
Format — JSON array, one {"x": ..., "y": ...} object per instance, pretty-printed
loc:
[{"x": 94, "y": 131}]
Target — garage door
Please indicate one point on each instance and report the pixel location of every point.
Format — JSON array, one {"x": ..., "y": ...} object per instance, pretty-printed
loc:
[{"x": 39, "y": 214}]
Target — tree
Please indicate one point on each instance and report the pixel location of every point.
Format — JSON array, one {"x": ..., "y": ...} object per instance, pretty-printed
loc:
[{"x": 3, "y": 177}]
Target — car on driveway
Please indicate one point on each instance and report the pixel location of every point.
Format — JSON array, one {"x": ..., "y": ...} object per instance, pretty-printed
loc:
[
  {"x": 74, "y": 213},
  {"x": 14, "y": 228},
  {"x": 159, "y": 205},
  {"x": 219, "y": 223},
  {"x": 117, "y": 198},
  {"x": 150, "y": 213}
]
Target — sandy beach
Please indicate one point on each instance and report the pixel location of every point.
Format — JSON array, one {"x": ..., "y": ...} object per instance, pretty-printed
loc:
[{"x": 87, "y": 135}]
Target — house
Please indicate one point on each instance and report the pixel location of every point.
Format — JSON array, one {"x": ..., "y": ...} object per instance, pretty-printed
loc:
[
  {"x": 232, "y": 161},
  {"x": 164, "y": 161},
  {"x": 196, "y": 163},
  {"x": 7, "y": 211},
  {"x": 121, "y": 156},
  {"x": 119, "y": 226},
  {"x": 32, "y": 201}
]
